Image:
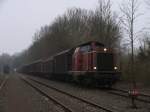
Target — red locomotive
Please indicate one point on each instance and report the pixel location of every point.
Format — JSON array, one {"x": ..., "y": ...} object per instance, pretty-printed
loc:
[{"x": 89, "y": 63}]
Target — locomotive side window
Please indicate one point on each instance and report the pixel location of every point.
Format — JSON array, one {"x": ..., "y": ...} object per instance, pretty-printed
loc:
[{"x": 86, "y": 48}]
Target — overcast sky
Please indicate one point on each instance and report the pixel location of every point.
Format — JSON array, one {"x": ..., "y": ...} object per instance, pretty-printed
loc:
[{"x": 20, "y": 19}]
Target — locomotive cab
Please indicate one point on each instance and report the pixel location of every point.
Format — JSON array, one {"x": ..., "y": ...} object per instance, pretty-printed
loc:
[
  {"x": 93, "y": 56},
  {"x": 96, "y": 61}
]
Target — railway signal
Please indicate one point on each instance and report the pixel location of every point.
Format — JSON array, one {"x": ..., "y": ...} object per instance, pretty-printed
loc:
[{"x": 133, "y": 93}]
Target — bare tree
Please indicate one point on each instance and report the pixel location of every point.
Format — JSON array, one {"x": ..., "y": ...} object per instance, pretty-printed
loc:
[
  {"x": 104, "y": 26},
  {"x": 72, "y": 28},
  {"x": 130, "y": 14},
  {"x": 147, "y": 2}
]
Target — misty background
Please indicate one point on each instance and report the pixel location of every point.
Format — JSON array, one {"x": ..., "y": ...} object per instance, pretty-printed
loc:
[
  {"x": 33, "y": 30},
  {"x": 20, "y": 19}
]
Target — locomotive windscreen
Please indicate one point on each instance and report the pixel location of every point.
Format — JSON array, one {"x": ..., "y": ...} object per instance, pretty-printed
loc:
[{"x": 105, "y": 62}]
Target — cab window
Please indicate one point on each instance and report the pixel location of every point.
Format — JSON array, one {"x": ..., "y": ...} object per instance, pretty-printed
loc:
[{"x": 86, "y": 48}]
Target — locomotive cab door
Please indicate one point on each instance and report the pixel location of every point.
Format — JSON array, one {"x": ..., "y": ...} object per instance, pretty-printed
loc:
[{"x": 82, "y": 58}]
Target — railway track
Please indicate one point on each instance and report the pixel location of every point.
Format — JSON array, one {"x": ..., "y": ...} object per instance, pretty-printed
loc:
[
  {"x": 65, "y": 108},
  {"x": 124, "y": 93},
  {"x": 97, "y": 106},
  {"x": 3, "y": 83}
]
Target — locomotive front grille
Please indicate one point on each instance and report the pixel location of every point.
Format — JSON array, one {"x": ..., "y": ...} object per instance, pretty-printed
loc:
[{"x": 105, "y": 62}]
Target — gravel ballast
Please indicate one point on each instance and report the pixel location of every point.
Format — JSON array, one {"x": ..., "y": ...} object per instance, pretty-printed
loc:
[
  {"x": 99, "y": 96},
  {"x": 17, "y": 96}
]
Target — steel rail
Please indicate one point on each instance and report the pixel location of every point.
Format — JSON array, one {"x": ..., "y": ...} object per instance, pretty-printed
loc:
[
  {"x": 65, "y": 108},
  {"x": 66, "y": 93},
  {"x": 140, "y": 94},
  {"x": 113, "y": 91},
  {"x": 3, "y": 83}
]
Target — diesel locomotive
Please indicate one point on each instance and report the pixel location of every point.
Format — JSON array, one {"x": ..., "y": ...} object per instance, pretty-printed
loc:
[{"x": 88, "y": 63}]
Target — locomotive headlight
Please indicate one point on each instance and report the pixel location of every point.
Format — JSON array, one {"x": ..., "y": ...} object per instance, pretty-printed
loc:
[
  {"x": 94, "y": 68},
  {"x": 105, "y": 49},
  {"x": 115, "y": 68}
]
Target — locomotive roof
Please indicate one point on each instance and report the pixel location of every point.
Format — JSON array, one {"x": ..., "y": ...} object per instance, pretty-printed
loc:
[{"x": 89, "y": 42}]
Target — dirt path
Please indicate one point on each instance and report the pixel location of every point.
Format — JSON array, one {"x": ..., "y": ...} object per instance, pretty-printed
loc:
[{"x": 16, "y": 96}]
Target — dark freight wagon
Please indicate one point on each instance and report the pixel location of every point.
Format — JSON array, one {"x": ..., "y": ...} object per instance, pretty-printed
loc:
[
  {"x": 48, "y": 67},
  {"x": 6, "y": 69},
  {"x": 63, "y": 64}
]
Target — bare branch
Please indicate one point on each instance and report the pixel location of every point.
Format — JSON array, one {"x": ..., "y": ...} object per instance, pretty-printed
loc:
[{"x": 130, "y": 13}]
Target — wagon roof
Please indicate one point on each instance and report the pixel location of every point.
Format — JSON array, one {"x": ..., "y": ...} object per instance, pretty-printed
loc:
[
  {"x": 34, "y": 62},
  {"x": 65, "y": 51},
  {"x": 48, "y": 59}
]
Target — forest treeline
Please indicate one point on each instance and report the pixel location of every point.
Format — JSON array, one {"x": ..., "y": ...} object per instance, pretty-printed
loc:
[
  {"x": 74, "y": 27},
  {"x": 77, "y": 26}
]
